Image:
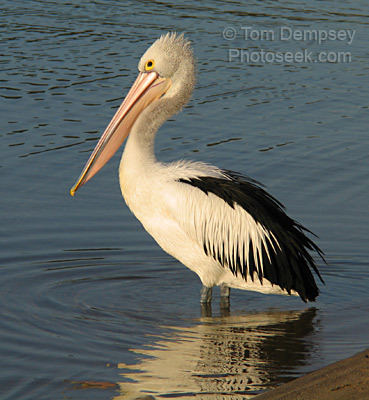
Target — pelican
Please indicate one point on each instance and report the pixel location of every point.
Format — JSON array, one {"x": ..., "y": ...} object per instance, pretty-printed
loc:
[{"x": 221, "y": 224}]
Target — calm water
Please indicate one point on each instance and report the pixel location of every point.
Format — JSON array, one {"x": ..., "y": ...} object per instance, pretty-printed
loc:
[{"x": 91, "y": 308}]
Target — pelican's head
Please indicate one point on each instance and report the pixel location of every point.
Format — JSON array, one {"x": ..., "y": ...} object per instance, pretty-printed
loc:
[
  {"x": 166, "y": 71},
  {"x": 171, "y": 57}
]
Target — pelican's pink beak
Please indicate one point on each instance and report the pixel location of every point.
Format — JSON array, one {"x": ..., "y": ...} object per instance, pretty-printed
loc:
[{"x": 148, "y": 87}]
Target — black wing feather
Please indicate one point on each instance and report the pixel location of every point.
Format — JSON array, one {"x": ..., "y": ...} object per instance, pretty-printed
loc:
[{"x": 290, "y": 263}]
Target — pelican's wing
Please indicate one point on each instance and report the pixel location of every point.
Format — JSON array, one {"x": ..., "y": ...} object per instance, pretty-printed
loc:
[{"x": 246, "y": 230}]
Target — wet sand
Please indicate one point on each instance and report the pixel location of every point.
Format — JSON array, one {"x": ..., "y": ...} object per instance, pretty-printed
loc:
[{"x": 343, "y": 380}]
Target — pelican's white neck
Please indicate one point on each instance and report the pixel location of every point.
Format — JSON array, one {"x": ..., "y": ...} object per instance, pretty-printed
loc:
[
  {"x": 140, "y": 144},
  {"x": 139, "y": 155}
]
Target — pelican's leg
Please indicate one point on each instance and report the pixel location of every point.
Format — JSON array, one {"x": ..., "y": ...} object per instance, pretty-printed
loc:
[
  {"x": 206, "y": 293},
  {"x": 225, "y": 292}
]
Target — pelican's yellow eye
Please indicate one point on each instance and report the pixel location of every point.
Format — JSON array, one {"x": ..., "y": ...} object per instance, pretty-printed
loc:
[{"x": 149, "y": 65}]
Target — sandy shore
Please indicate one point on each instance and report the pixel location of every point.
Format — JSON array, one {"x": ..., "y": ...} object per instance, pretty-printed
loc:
[{"x": 343, "y": 380}]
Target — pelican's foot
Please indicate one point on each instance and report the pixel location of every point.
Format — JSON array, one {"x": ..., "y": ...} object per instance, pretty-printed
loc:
[
  {"x": 206, "y": 294},
  {"x": 225, "y": 293}
]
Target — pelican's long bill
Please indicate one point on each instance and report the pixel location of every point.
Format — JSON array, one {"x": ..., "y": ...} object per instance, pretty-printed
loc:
[{"x": 148, "y": 87}]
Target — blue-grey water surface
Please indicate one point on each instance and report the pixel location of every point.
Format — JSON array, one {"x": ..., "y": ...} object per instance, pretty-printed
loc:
[{"x": 91, "y": 307}]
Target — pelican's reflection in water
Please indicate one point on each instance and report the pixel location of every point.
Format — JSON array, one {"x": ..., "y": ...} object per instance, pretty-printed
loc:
[{"x": 232, "y": 357}]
